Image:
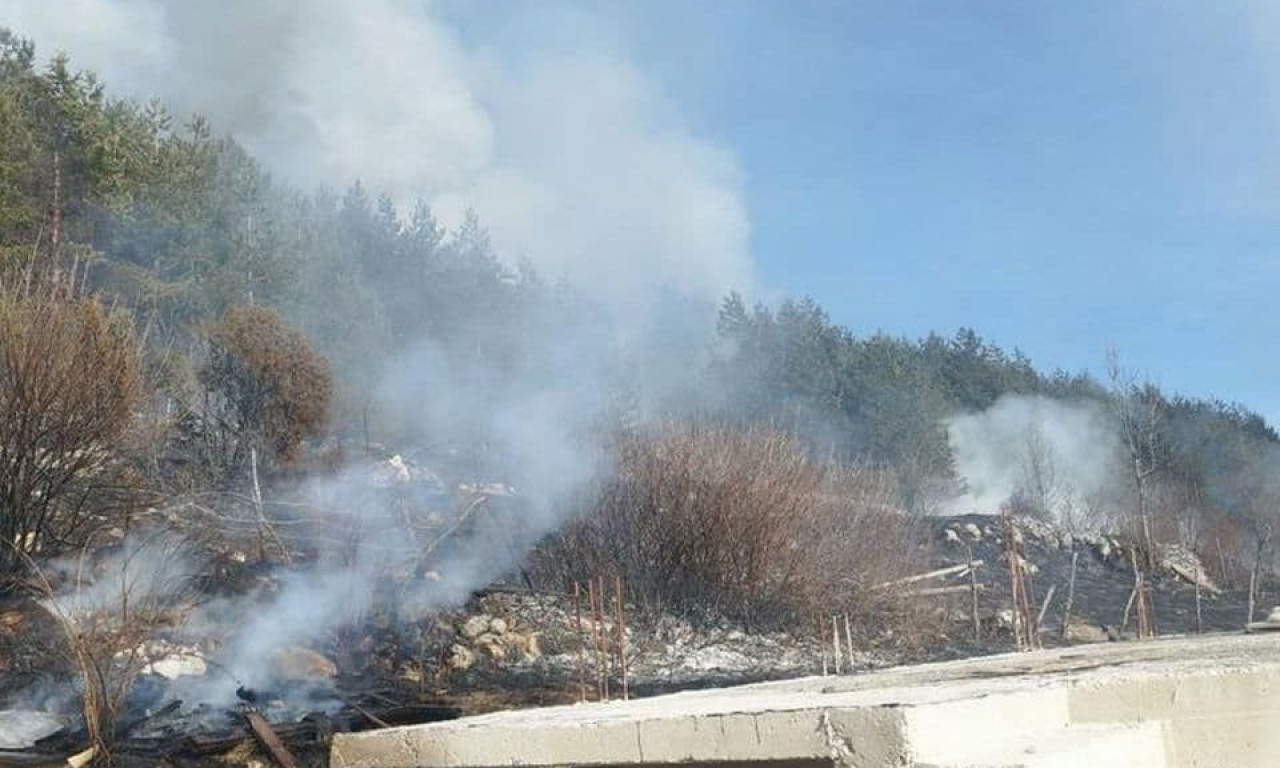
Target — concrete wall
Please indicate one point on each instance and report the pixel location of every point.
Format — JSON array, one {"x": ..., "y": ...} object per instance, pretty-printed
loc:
[{"x": 1200, "y": 702}]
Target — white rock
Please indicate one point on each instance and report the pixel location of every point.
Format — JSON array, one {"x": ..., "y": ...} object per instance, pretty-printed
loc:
[
  {"x": 475, "y": 626},
  {"x": 178, "y": 665}
]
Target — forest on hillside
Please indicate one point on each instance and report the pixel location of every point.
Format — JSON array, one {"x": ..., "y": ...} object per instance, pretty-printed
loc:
[{"x": 189, "y": 250}]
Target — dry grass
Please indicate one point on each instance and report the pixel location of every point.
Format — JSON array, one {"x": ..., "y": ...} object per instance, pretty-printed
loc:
[{"x": 715, "y": 520}]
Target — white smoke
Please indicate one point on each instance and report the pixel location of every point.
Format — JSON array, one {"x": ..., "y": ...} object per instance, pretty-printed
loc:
[
  {"x": 996, "y": 450},
  {"x": 575, "y": 161}
]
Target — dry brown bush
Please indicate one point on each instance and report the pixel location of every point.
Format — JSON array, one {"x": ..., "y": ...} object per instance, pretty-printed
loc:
[
  {"x": 69, "y": 381},
  {"x": 716, "y": 520},
  {"x": 266, "y": 387}
]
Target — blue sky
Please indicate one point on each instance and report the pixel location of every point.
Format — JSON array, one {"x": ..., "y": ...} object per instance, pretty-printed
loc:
[{"x": 1060, "y": 176}]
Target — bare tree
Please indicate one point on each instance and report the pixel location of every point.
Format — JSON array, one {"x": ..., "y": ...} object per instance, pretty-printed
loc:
[
  {"x": 1137, "y": 409},
  {"x": 1039, "y": 489}
]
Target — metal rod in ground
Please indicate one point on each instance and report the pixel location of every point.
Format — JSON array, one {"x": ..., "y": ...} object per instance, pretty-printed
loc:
[
  {"x": 582, "y": 641},
  {"x": 621, "y": 627}
]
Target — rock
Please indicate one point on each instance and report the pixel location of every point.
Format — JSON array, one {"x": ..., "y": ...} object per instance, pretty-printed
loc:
[
  {"x": 170, "y": 660},
  {"x": 11, "y": 622},
  {"x": 525, "y": 644},
  {"x": 178, "y": 665},
  {"x": 22, "y": 728},
  {"x": 300, "y": 664},
  {"x": 1079, "y": 631},
  {"x": 492, "y": 646},
  {"x": 952, "y": 536},
  {"x": 498, "y": 626},
  {"x": 461, "y": 657},
  {"x": 974, "y": 531},
  {"x": 1274, "y": 616},
  {"x": 391, "y": 472},
  {"x": 475, "y": 626}
]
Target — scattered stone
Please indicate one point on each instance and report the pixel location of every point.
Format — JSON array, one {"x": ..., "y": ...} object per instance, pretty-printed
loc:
[
  {"x": 1079, "y": 631},
  {"x": 301, "y": 664},
  {"x": 974, "y": 531},
  {"x": 475, "y": 626},
  {"x": 498, "y": 626},
  {"x": 461, "y": 657},
  {"x": 491, "y": 645}
]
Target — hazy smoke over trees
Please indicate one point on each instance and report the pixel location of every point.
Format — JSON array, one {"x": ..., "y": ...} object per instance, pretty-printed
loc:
[{"x": 574, "y": 161}]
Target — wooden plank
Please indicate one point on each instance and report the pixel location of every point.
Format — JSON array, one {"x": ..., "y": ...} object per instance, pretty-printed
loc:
[
  {"x": 956, "y": 569},
  {"x": 268, "y": 739}
]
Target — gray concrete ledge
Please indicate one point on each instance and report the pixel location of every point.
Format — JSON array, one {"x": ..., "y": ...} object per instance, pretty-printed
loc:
[{"x": 1206, "y": 701}]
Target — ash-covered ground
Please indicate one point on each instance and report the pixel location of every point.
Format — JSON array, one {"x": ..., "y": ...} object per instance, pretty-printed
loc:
[{"x": 510, "y": 646}]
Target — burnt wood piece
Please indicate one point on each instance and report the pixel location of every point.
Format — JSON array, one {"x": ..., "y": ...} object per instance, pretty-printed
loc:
[
  {"x": 129, "y": 727},
  {"x": 269, "y": 740}
]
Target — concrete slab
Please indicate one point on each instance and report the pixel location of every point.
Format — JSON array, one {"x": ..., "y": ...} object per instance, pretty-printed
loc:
[{"x": 1206, "y": 701}]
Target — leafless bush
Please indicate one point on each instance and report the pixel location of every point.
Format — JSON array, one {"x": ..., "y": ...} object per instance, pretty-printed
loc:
[
  {"x": 109, "y": 603},
  {"x": 738, "y": 522},
  {"x": 69, "y": 380}
]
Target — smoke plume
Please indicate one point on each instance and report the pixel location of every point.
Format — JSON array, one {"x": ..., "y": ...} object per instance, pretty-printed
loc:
[
  {"x": 575, "y": 161},
  {"x": 1068, "y": 452}
]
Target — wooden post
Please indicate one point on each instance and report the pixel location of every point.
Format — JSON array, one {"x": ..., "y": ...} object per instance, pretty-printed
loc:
[
  {"x": 822, "y": 643},
  {"x": 1199, "y": 623},
  {"x": 621, "y": 627},
  {"x": 582, "y": 641},
  {"x": 1044, "y": 607},
  {"x": 1011, "y": 551},
  {"x": 848, "y": 641},
  {"x": 1071, "y": 594},
  {"x": 1222, "y": 564},
  {"x": 593, "y": 609},
  {"x": 605, "y": 656},
  {"x": 1253, "y": 585},
  {"x": 973, "y": 594},
  {"x": 835, "y": 643},
  {"x": 270, "y": 741}
]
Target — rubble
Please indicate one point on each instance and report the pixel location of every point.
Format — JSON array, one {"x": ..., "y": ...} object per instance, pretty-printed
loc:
[{"x": 172, "y": 661}]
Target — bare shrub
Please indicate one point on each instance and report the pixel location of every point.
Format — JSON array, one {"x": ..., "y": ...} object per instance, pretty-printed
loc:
[
  {"x": 69, "y": 381},
  {"x": 266, "y": 389},
  {"x": 741, "y": 522},
  {"x": 109, "y": 603}
]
